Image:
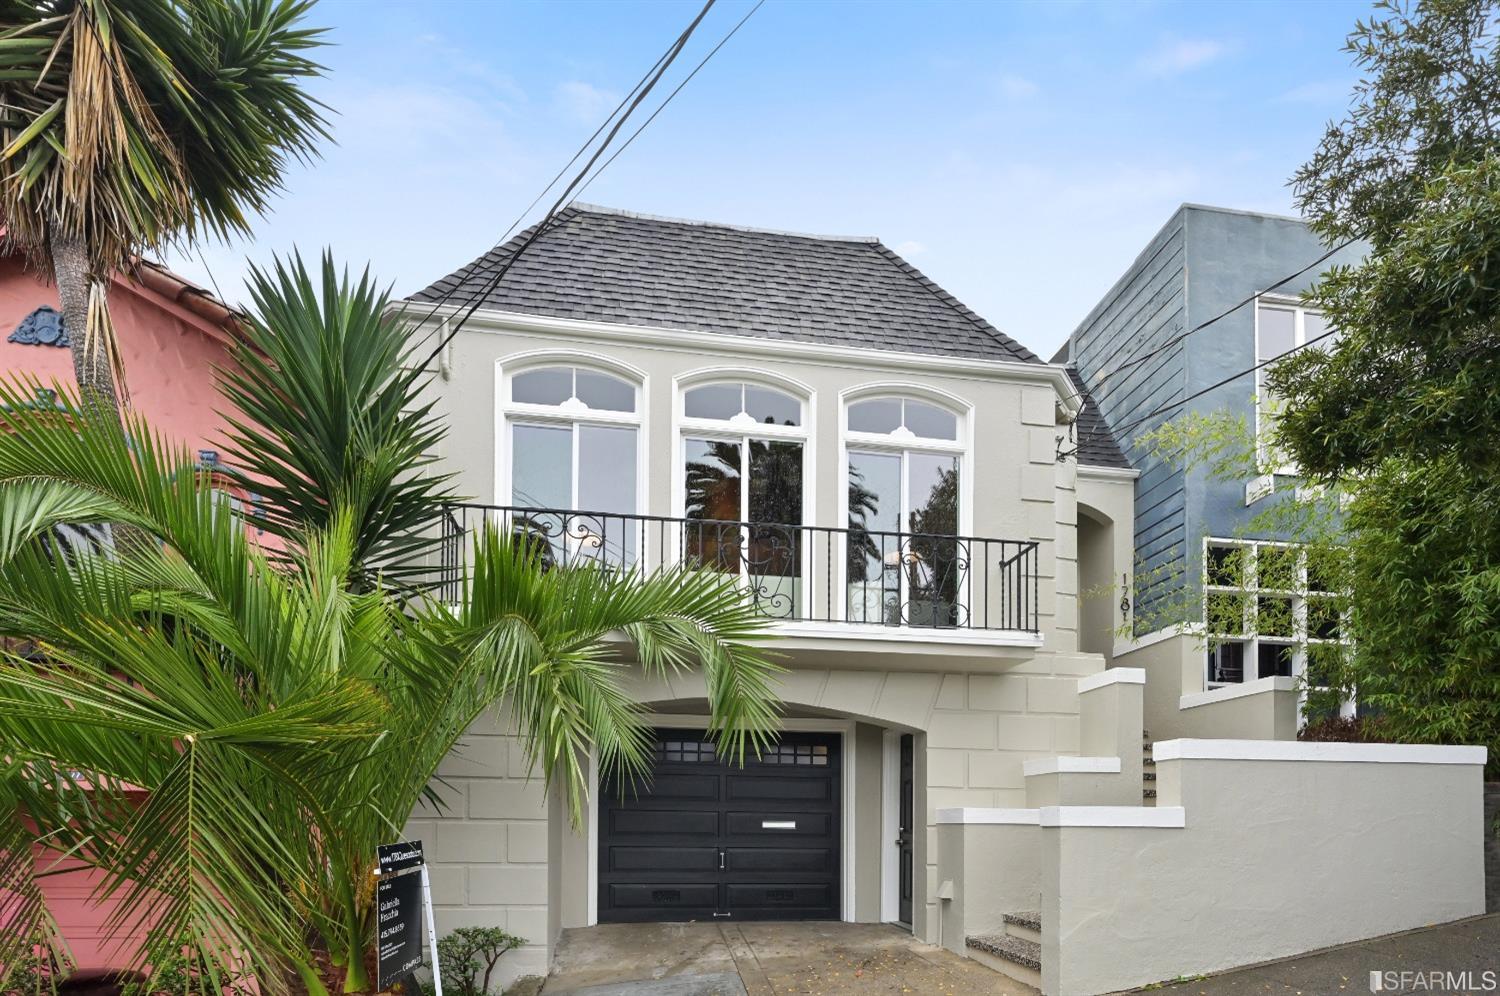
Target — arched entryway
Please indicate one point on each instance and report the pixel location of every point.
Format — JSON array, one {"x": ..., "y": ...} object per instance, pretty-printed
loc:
[
  {"x": 1097, "y": 582},
  {"x": 825, "y": 825}
]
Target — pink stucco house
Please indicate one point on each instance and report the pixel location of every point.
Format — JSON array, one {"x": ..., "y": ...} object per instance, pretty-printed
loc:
[{"x": 173, "y": 336}]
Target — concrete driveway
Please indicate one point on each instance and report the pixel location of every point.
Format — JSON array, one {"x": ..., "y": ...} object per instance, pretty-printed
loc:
[{"x": 762, "y": 959}]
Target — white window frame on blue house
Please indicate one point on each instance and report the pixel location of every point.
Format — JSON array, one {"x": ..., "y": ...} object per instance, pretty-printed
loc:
[
  {"x": 1249, "y": 637},
  {"x": 1265, "y": 406}
]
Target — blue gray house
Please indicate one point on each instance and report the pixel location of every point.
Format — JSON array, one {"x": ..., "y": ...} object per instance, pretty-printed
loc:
[{"x": 1244, "y": 274}]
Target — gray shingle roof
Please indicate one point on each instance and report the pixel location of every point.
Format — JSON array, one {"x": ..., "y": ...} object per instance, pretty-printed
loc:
[
  {"x": 604, "y": 265},
  {"x": 1096, "y": 443}
]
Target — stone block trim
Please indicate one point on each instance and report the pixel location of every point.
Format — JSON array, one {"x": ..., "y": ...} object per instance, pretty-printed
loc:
[{"x": 487, "y": 845}]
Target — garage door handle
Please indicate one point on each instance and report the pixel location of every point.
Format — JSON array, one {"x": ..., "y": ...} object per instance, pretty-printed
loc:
[{"x": 721, "y": 861}]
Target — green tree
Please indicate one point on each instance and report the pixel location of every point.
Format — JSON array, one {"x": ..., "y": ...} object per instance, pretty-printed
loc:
[
  {"x": 328, "y": 411},
  {"x": 228, "y": 734},
  {"x": 126, "y": 124},
  {"x": 1222, "y": 446},
  {"x": 1405, "y": 410}
]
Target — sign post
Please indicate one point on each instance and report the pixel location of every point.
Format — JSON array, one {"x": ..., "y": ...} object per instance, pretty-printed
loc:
[{"x": 401, "y": 888}]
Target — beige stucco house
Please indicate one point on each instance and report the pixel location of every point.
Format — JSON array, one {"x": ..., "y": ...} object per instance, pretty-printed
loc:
[
  {"x": 897, "y": 484},
  {"x": 918, "y": 504}
]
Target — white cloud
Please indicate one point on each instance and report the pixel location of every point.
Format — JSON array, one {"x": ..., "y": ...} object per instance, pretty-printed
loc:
[
  {"x": 1017, "y": 87},
  {"x": 585, "y": 102},
  {"x": 1181, "y": 55},
  {"x": 910, "y": 248}
]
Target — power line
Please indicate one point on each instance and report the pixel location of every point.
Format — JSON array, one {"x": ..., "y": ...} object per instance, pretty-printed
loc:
[
  {"x": 568, "y": 193},
  {"x": 674, "y": 93},
  {"x": 1218, "y": 384},
  {"x": 469, "y": 270},
  {"x": 547, "y": 221},
  {"x": 1137, "y": 360}
]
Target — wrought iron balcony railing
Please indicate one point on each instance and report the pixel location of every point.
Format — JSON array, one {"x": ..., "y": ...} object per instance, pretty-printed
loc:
[{"x": 790, "y": 573}]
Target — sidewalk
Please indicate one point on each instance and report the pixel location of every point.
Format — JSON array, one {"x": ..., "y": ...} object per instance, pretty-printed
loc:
[{"x": 1469, "y": 946}]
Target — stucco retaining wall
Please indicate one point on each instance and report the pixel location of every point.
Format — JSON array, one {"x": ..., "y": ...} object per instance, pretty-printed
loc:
[
  {"x": 1285, "y": 848},
  {"x": 1263, "y": 709},
  {"x": 993, "y": 868},
  {"x": 1492, "y": 847}
]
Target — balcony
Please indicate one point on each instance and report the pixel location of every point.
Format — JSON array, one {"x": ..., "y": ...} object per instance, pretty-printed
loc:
[{"x": 878, "y": 583}]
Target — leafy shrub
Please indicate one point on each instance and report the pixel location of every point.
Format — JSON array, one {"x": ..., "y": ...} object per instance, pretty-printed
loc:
[
  {"x": 37, "y": 974},
  {"x": 1344, "y": 729},
  {"x": 467, "y": 958}
]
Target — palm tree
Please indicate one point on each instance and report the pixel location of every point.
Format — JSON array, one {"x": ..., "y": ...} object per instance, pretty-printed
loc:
[
  {"x": 126, "y": 124},
  {"x": 284, "y": 714},
  {"x": 332, "y": 413}
]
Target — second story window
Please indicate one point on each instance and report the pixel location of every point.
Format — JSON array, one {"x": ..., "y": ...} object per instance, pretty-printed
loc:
[
  {"x": 742, "y": 487},
  {"x": 1280, "y": 329},
  {"x": 904, "y": 561},
  {"x": 573, "y": 443}
]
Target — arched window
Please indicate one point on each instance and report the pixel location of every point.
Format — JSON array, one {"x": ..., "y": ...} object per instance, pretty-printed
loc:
[
  {"x": 742, "y": 486},
  {"x": 905, "y": 561},
  {"x": 573, "y": 438},
  {"x": 742, "y": 404},
  {"x": 903, "y": 418}
]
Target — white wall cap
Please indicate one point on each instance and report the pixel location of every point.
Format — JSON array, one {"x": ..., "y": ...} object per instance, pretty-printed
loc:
[
  {"x": 1065, "y": 765},
  {"x": 989, "y": 816},
  {"x": 1296, "y": 750},
  {"x": 1112, "y": 676},
  {"x": 879, "y": 632},
  {"x": 1225, "y": 693},
  {"x": 1113, "y": 816}
]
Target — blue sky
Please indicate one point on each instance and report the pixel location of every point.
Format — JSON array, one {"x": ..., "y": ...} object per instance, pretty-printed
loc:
[{"x": 1020, "y": 154}]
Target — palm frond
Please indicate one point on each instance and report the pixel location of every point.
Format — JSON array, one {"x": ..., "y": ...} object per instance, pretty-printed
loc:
[
  {"x": 333, "y": 417},
  {"x": 541, "y": 638}
]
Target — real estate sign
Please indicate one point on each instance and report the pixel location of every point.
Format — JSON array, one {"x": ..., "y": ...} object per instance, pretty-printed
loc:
[{"x": 401, "y": 899}]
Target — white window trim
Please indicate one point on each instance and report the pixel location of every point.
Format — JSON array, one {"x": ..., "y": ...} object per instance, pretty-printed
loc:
[
  {"x": 1300, "y": 639},
  {"x": 963, "y": 448},
  {"x": 507, "y": 413},
  {"x": 1300, "y": 311},
  {"x": 745, "y": 429}
]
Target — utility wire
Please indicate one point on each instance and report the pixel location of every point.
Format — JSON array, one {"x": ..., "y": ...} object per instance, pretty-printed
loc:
[
  {"x": 1218, "y": 384},
  {"x": 545, "y": 224},
  {"x": 1157, "y": 351},
  {"x": 685, "y": 82},
  {"x": 634, "y": 135},
  {"x": 469, "y": 270},
  {"x": 1137, "y": 360}
]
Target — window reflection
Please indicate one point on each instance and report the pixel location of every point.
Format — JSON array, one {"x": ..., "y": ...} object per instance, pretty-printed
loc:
[
  {"x": 558, "y": 385},
  {"x": 884, "y": 416},
  {"x": 723, "y": 402},
  {"x": 904, "y": 563},
  {"x": 747, "y": 527}
]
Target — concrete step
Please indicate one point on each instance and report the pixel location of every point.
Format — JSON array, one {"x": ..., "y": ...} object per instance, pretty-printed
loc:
[
  {"x": 1149, "y": 793},
  {"x": 1149, "y": 776},
  {"x": 1011, "y": 956},
  {"x": 1026, "y": 925}
]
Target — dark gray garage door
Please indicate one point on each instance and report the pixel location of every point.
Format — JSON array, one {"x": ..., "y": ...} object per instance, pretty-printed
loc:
[{"x": 706, "y": 839}]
